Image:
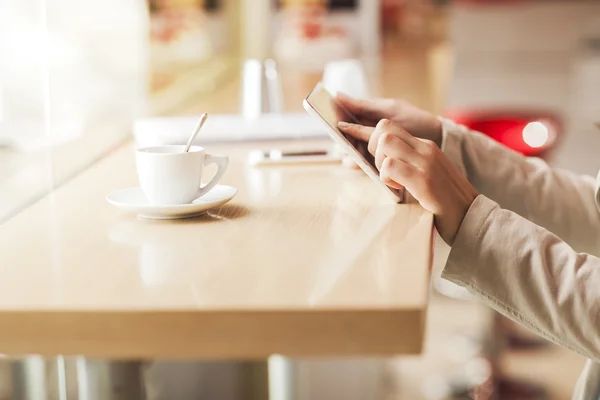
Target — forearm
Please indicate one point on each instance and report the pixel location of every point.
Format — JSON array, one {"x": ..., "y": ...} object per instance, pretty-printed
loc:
[
  {"x": 529, "y": 275},
  {"x": 557, "y": 200}
]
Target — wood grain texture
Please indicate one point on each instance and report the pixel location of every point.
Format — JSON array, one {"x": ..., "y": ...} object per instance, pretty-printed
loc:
[{"x": 306, "y": 260}]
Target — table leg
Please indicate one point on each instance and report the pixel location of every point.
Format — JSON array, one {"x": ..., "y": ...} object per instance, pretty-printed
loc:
[
  {"x": 282, "y": 378},
  {"x": 109, "y": 380},
  {"x": 29, "y": 378},
  {"x": 61, "y": 378}
]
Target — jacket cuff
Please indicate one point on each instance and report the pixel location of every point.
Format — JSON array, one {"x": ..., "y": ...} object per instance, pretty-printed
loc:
[
  {"x": 452, "y": 138},
  {"x": 467, "y": 244}
]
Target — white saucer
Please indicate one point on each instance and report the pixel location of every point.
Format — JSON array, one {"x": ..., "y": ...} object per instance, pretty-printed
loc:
[{"x": 133, "y": 199}]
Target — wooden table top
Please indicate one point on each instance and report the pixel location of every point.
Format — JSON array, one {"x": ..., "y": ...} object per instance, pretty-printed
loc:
[{"x": 305, "y": 260}]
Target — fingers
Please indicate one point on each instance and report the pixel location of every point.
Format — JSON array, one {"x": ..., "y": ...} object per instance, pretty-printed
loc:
[
  {"x": 394, "y": 171},
  {"x": 386, "y": 126},
  {"x": 392, "y": 146},
  {"x": 400, "y": 157},
  {"x": 360, "y": 132}
]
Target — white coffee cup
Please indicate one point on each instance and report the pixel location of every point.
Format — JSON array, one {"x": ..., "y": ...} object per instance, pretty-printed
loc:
[{"x": 169, "y": 176}]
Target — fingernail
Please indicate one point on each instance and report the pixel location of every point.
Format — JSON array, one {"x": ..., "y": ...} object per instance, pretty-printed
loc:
[{"x": 343, "y": 124}]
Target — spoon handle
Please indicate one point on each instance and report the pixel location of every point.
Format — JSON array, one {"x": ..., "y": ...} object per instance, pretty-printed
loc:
[{"x": 203, "y": 118}]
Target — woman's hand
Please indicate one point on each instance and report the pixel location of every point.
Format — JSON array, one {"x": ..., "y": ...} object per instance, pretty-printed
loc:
[
  {"x": 420, "y": 166},
  {"x": 417, "y": 122}
]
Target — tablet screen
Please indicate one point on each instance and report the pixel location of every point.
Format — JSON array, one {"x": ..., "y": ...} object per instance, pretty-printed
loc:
[{"x": 331, "y": 112}]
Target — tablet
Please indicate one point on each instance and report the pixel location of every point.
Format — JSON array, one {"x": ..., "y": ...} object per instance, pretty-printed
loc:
[{"x": 323, "y": 106}]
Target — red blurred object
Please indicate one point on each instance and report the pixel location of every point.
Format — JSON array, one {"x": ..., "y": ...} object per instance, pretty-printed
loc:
[{"x": 529, "y": 133}]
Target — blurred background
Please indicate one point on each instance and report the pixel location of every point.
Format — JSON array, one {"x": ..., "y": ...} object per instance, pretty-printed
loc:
[{"x": 80, "y": 77}]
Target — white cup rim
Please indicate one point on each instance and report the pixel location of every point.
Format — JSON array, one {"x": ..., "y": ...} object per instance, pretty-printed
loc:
[{"x": 153, "y": 150}]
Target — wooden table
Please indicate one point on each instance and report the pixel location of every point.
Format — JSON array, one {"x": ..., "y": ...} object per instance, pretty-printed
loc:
[{"x": 306, "y": 260}]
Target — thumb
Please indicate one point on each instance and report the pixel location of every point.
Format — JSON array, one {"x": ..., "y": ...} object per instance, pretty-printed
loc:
[{"x": 372, "y": 109}]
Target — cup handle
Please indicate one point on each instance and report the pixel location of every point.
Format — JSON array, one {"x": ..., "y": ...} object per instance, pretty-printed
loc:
[{"x": 222, "y": 162}]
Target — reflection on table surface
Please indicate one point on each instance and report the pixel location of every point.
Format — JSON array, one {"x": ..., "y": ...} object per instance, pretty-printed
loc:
[{"x": 312, "y": 236}]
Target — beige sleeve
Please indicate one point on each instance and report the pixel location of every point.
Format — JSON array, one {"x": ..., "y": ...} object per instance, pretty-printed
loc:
[
  {"x": 558, "y": 200},
  {"x": 529, "y": 275}
]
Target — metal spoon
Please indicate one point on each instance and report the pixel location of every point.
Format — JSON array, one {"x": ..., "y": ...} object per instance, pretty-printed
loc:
[{"x": 203, "y": 118}]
